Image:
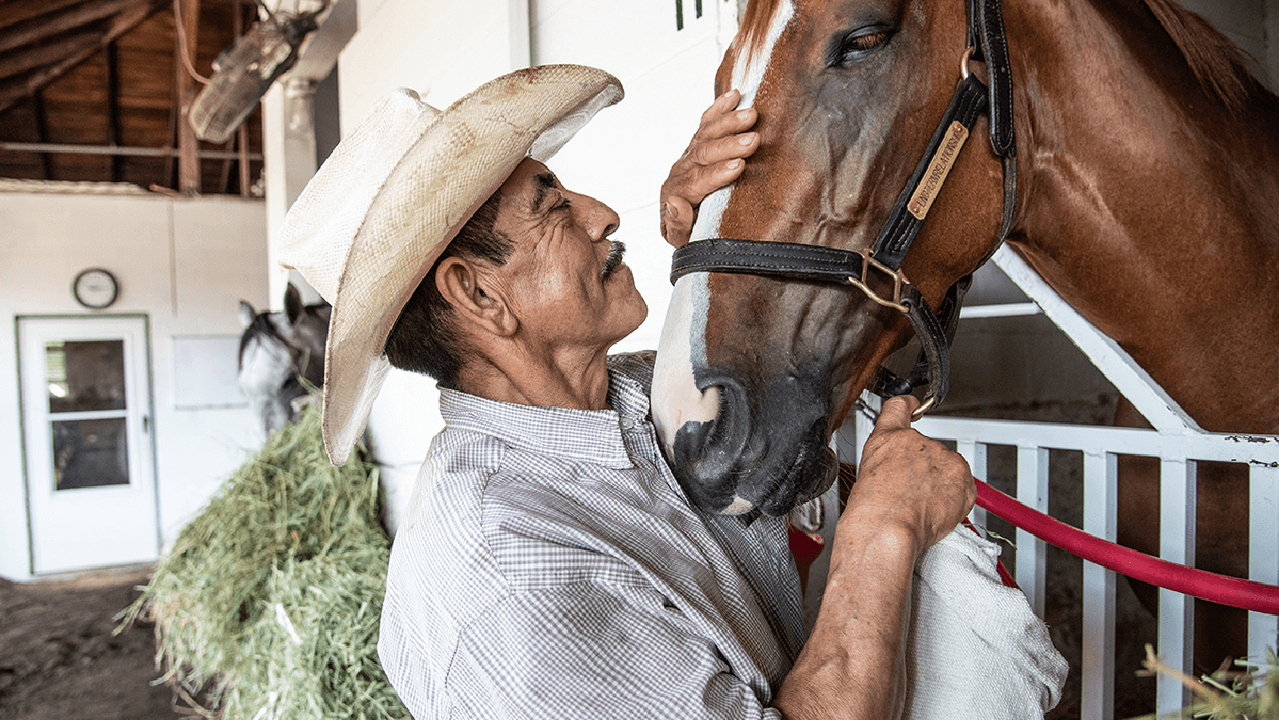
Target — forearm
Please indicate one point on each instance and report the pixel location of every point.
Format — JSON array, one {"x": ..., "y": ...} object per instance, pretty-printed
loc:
[{"x": 853, "y": 666}]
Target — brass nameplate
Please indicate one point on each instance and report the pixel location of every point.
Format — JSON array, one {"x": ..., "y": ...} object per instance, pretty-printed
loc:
[{"x": 938, "y": 169}]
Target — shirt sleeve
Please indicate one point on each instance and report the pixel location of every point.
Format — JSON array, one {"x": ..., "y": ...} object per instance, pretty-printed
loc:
[{"x": 587, "y": 651}]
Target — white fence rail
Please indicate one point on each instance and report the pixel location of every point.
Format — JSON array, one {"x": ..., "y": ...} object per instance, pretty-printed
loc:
[{"x": 1178, "y": 442}]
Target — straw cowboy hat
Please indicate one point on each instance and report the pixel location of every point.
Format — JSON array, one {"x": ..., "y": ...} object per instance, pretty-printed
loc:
[{"x": 373, "y": 220}]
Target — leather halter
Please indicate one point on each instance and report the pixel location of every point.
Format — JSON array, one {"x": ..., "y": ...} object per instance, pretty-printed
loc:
[{"x": 814, "y": 263}]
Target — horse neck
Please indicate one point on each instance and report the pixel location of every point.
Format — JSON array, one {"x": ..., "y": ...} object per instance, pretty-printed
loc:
[{"x": 1146, "y": 202}]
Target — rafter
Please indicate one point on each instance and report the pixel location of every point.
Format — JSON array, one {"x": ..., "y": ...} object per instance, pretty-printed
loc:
[
  {"x": 18, "y": 82},
  {"x": 42, "y": 133},
  {"x": 113, "y": 108},
  {"x": 13, "y": 12},
  {"x": 41, "y": 29},
  {"x": 49, "y": 55},
  {"x": 187, "y": 13}
]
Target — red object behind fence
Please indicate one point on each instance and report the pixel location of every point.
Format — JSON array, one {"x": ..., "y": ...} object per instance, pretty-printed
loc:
[{"x": 1202, "y": 584}]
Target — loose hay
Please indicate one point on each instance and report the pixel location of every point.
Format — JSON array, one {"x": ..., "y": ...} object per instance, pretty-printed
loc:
[{"x": 269, "y": 601}]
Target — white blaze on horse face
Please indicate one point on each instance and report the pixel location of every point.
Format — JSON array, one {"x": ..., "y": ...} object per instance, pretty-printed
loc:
[
  {"x": 748, "y": 73},
  {"x": 675, "y": 397}
]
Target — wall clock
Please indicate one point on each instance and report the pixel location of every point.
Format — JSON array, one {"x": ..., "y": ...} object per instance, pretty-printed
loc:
[{"x": 95, "y": 288}]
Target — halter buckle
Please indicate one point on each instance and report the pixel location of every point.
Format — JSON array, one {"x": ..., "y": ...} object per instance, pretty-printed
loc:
[
  {"x": 924, "y": 407},
  {"x": 899, "y": 280}
]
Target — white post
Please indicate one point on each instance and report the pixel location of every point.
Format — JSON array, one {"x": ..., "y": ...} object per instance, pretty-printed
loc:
[
  {"x": 1101, "y": 498},
  {"x": 863, "y": 424},
  {"x": 1032, "y": 491},
  {"x": 1263, "y": 555},
  {"x": 288, "y": 138},
  {"x": 975, "y": 454},
  {"x": 1177, "y": 490}
]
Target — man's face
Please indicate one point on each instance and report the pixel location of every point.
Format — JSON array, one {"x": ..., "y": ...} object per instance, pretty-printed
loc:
[{"x": 560, "y": 280}]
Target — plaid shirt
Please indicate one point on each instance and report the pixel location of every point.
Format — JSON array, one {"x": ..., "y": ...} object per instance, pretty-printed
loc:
[{"x": 550, "y": 566}]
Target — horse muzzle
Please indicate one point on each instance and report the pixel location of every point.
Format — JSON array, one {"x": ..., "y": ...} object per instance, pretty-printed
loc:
[{"x": 765, "y": 453}]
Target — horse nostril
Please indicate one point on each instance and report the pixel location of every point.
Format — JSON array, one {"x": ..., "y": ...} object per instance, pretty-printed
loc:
[{"x": 731, "y": 427}]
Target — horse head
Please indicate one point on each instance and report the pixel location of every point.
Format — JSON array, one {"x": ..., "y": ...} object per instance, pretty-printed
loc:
[
  {"x": 281, "y": 354},
  {"x": 754, "y": 373}
]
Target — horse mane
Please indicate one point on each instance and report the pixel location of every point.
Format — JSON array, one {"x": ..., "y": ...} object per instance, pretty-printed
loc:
[{"x": 1219, "y": 65}]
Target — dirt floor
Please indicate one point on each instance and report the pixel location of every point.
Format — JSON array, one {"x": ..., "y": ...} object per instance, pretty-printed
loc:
[{"x": 60, "y": 661}]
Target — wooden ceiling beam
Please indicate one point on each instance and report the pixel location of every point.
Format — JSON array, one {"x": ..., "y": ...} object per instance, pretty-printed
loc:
[
  {"x": 45, "y": 28},
  {"x": 13, "y": 12},
  {"x": 187, "y": 13},
  {"x": 12, "y": 93},
  {"x": 50, "y": 54},
  {"x": 42, "y": 133},
  {"x": 113, "y": 109}
]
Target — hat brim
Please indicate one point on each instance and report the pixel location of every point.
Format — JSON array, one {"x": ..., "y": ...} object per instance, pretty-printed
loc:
[{"x": 461, "y": 159}]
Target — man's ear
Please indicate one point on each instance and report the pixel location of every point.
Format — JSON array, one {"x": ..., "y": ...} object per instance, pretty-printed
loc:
[{"x": 464, "y": 286}]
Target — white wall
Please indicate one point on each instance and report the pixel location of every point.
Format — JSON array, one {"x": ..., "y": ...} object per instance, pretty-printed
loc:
[
  {"x": 185, "y": 264},
  {"x": 443, "y": 50}
]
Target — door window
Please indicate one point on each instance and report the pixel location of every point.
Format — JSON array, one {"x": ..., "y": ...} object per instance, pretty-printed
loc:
[{"x": 88, "y": 408}]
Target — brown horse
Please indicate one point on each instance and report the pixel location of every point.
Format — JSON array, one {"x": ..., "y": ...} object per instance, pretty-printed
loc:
[{"x": 1146, "y": 193}]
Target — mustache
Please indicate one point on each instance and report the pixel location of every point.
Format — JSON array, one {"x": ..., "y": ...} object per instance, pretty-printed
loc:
[{"x": 616, "y": 250}]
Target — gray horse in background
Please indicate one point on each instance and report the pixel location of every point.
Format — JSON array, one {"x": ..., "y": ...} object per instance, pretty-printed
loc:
[{"x": 281, "y": 357}]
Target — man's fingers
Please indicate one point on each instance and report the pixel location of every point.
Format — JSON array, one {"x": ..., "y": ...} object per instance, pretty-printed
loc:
[
  {"x": 680, "y": 199},
  {"x": 725, "y": 124},
  {"x": 698, "y": 181},
  {"x": 722, "y": 104},
  {"x": 895, "y": 413},
  {"x": 677, "y": 221},
  {"x": 726, "y": 148},
  {"x": 714, "y": 158}
]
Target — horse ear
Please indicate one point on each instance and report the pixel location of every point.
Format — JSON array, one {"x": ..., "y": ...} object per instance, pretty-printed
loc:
[
  {"x": 292, "y": 303},
  {"x": 247, "y": 313}
]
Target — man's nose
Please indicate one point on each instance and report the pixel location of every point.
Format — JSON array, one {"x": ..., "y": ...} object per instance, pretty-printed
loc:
[{"x": 595, "y": 217}]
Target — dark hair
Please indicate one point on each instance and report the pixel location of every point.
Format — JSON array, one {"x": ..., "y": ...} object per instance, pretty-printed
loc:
[{"x": 425, "y": 339}]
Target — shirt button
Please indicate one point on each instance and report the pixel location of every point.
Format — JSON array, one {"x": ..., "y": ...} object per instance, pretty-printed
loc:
[{"x": 627, "y": 423}]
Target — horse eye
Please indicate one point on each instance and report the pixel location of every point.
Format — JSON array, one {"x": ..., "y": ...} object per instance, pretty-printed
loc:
[{"x": 856, "y": 44}]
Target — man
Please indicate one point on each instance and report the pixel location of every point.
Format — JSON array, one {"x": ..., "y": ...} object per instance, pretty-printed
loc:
[{"x": 550, "y": 565}]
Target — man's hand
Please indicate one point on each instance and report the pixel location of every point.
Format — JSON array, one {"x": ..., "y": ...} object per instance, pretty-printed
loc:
[
  {"x": 914, "y": 481},
  {"x": 911, "y": 491},
  {"x": 714, "y": 158}
]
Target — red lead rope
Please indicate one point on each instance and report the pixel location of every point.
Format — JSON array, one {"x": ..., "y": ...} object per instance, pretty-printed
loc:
[{"x": 1202, "y": 584}]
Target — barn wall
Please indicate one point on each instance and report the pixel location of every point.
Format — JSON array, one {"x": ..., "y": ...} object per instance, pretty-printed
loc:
[
  {"x": 443, "y": 50},
  {"x": 185, "y": 264}
]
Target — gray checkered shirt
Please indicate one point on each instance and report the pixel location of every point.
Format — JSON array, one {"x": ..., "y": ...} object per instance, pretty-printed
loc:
[{"x": 550, "y": 566}]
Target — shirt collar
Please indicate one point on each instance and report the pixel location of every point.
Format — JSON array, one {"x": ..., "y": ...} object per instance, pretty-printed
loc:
[{"x": 593, "y": 436}]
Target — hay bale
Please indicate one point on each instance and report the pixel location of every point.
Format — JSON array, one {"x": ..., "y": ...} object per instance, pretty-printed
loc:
[{"x": 268, "y": 603}]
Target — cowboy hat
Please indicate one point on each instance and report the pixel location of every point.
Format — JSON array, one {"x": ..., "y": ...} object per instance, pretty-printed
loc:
[{"x": 373, "y": 220}]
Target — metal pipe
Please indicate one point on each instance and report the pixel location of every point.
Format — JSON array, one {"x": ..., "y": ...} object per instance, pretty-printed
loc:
[{"x": 69, "y": 149}]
